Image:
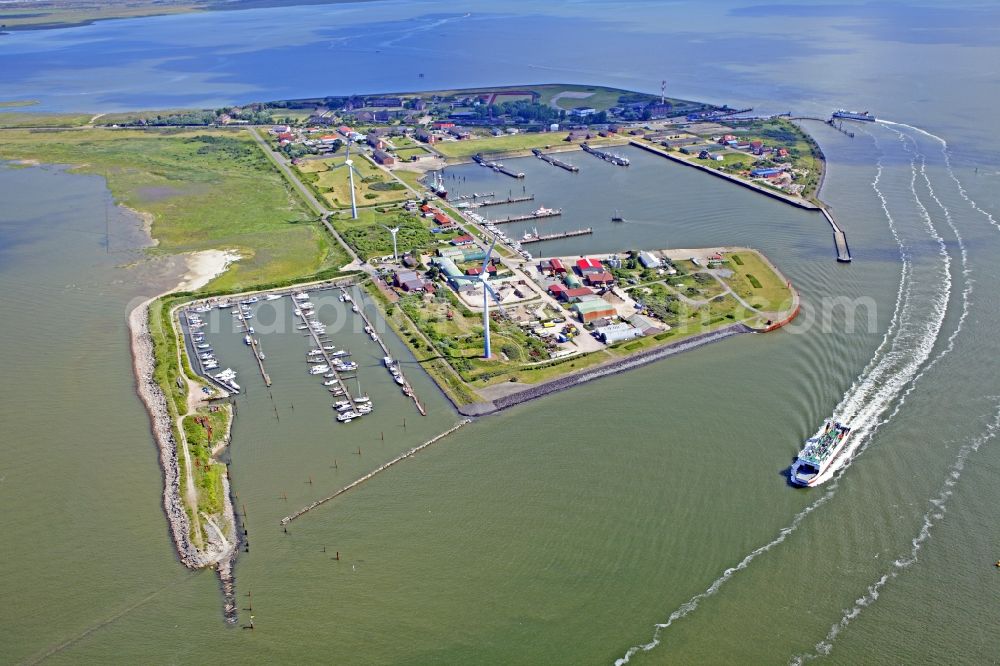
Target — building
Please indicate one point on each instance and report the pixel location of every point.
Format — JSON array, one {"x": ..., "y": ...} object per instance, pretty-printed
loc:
[
  {"x": 599, "y": 278},
  {"x": 408, "y": 280},
  {"x": 464, "y": 239},
  {"x": 582, "y": 111},
  {"x": 557, "y": 289},
  {"x": 425, "y": 136},
  {"x": 553, "y": 266},
  {"x": 646, "y": 325},
  {"x": 617, "y": 333},
  {"x": 476, "y": 270},
  {"x": 393, "y": 102},
  {"x": 588, "y": 265},
  {"x": 383, "y": 158},
  {"x": 648, "y": 260},
  {"x": 770, "y": 172},
  {"x": 447, "y": 267},
  {"x": 588, "y": 311},
  {"x": 376, "y": 141},
  {"x": 574, "y": 294}
]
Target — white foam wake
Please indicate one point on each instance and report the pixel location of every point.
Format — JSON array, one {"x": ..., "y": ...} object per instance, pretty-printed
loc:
[
  {"x": 935, "y": 512},
  {"x": 692, "y": 604},
  {"x": 866, "y": 401},
  {"x": 880, "y": 382}
]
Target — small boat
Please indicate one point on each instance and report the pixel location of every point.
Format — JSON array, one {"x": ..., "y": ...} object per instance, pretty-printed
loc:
[
  {"x": 302, "y": 327},
  {"x": 223, "y": 306},
  {"x": 345, "y": 418},
  {"x": 354, "y": 308},
  {"x": 364, "y": 409},
  {"x": 399, "y": 380},
  {"x": 337, "y": 391},
  {"x": 316, "y": 360},
  {"x": 340, "y": 352},
  {"x": 347, "y": 297},
  {"x": 330, "y": 375},
  {"x": 387, "y": 360},
  {"x": 330, "y": 382},
  {"x": 329, "y": 348},
  {"x": 261, "y": 356},
  {"x": 319, "y": 369},
  {"x": 360, "y": 400},
  {"x": 302, "y": 296},
  {"x": 273, "y": 297},
  {"x": 203, "y": 345},
  {"x": 247, "y": 339},
  {"x": 251, "y": 331},
  {"x": 315, "y": 352},
  {"x": 617, "y": 217}
]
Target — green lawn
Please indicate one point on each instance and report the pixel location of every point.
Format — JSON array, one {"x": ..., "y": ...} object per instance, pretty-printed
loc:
[
  {"x": 499, "y": 144},
  {"x": 205, "y": 189},
  {"x": 407, "y": 153},
  {"x": 333, "y": 184},
  {"x": 773, "y": 294},
  {"x": 369, "y": 239}
]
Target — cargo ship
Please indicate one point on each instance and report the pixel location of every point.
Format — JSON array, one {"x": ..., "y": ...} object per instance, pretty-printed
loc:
[
  {"x": 854, "y": 115},
  {"x": 819, "y": 453}
]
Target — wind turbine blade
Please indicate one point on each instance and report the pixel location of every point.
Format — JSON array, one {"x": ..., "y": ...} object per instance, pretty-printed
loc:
[
  {"x": 489, "y": 253},
  {"x": 493, "y": 293}
]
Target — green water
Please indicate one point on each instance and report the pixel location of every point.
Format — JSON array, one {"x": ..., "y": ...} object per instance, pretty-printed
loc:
[
  {"x": 562, "y": 531},
  {"x": 559, "y": 531}
]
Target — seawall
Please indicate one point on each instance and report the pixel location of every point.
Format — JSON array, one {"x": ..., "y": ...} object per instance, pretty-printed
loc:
[{"x": 603, "y": 370}]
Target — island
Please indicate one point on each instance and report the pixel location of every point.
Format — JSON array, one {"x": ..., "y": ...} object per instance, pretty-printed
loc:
[{"x": 347, "y": 195}]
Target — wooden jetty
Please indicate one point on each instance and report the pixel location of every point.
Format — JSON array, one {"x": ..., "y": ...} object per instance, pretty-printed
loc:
[
  {"x": 554, "y": 161},
  {"x": 557, "y": 235},
  {"x": 306, "y": 509},
  {"x": 552, "y": 212},
  {"x": 508, "y": 200}
]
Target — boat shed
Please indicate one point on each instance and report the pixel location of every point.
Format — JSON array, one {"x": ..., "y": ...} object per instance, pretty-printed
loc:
[
  {"x": 594, "y": 309},
  {"x": 617, "y": 333},
  {"x": 648, "y": 260}
]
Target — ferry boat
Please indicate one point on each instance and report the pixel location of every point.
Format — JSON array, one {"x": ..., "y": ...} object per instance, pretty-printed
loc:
[
  {"x": 819, "y": 453},
  {"x": 854, "y": 115}
]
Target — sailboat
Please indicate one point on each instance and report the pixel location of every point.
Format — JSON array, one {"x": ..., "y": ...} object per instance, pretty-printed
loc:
[{"x": 617, "y": 217}]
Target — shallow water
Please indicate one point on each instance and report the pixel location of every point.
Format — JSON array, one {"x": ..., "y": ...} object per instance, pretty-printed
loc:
[{"x": 562, "y": 530}]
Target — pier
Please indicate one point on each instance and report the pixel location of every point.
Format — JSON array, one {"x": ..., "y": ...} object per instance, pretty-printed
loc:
[
  {"x": 614, "y": 158},
  {"x": 554, "y": 161},
  {"x": 496, "y": 166},
  {"x": 253, "y": 344},
  {"x": 508, "y": 200},
  {"x": 407, "y": 389},
  {"x": 403, "y": 456},
  {"x": 552, "y": 212},
  {"x": 326, "y": 354},
  {"x": 839, "y": 238},
  {"x": 557, "y": 235}
]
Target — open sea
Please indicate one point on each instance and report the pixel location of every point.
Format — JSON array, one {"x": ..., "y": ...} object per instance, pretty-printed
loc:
[{"x": 643, "y": 518}]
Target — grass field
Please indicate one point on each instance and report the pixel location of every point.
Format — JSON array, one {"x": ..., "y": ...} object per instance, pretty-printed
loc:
[
  {"x": 369, "y": 239},
  {"x": 62, "y": 14},
  {"x": 772, "y": 294},
  {"x": 333, "y": 184},
  {"x": 18, "y": 103},
  {"x": 205, "y": 189},
  {"x": 407, "y": 153},
  {"x": 499, "y": 144},
  {"x": 15, "y": 119}
]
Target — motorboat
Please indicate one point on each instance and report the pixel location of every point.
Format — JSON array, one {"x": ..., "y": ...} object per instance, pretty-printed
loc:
[{"x": 319, "y": 369}]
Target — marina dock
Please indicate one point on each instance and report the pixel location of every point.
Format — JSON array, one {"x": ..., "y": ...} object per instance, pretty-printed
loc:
[
  {"x": 385, "y": 350},
  {"x": 326, "y": 355},
  {"x": 508, "y": 200},
  {"x": 306, "y": 509},
  {"x": 496, "y": 166},
  {"x": 557, "y": 235},
  {"x": 253, "y": 344},
  {"x": 554, "y": 161},
  {"x": 614, "y": 158},
  {"x": 552, "y": 212}
]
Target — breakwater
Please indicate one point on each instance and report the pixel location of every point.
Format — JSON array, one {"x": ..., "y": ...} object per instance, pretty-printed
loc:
[
  {"x": 403, "y": 456},
  {"x": 218, "y": 552}
]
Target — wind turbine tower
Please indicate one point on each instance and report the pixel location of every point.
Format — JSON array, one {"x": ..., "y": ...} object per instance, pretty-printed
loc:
[
  {"x": 393, "y": 231},
  {"x": 663, "y": 92}
]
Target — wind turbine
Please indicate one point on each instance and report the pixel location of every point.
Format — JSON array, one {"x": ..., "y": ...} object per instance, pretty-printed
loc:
[
  {"x": 393, "y": 231},
  {"x": 488, "y": 291},
  {"x": 349, "y": 163}
]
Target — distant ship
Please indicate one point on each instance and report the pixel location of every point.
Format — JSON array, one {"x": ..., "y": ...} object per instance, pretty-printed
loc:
[
  {"x": 617, "y": 217},
  {"x": 819, "y": 453},
  {"x": 854, "y": 115}
]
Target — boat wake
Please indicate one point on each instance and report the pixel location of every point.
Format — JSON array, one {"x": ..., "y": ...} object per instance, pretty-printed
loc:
[
  {"x": 935, "y": 512},
  {"x": 900, "y": 360}
]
